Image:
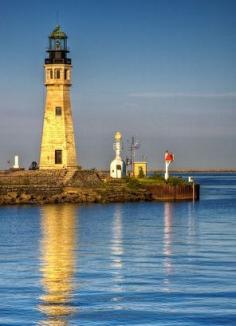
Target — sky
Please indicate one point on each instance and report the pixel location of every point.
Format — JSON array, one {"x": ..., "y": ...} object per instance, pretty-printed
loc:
[{"x": 163, "y": 71}]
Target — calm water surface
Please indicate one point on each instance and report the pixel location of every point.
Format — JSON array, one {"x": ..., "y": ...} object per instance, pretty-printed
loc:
[{"x": 122, "y": 264}]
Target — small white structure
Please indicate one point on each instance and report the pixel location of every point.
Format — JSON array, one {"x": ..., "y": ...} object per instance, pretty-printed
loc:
[
  {"x": 169, "y": 158},
  {"x": 190, "y": 179},
  {"x": 117, "y": 167},
  {"x": 16, "y": 162}
]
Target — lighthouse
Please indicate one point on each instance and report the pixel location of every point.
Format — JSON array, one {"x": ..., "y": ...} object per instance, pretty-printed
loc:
[
  {"x": 58, "y": 142},
  {"x": 117, "y": 167}
]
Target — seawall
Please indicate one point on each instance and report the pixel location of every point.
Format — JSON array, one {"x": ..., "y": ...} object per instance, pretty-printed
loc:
[
  {"x": 175, "y": 193},
  {"x": 85, "y": 186}
]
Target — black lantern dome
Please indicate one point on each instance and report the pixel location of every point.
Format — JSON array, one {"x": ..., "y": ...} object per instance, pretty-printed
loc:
[{"x": 57, "y": 47}]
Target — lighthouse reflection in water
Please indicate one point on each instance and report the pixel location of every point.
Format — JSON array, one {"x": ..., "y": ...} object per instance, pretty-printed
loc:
[{"x": 57, "y": 263}]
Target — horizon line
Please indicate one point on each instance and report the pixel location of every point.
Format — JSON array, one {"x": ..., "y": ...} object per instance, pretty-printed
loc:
[{"x": 182, "y": 94}]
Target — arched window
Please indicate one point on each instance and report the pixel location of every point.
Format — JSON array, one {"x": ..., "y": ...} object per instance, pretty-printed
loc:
[
  {"x": 58, "y": 111},
  {"x": 65, "y": 74},
  {"x": 49, "y": 73},
  {"x": 57, "y": 74}
]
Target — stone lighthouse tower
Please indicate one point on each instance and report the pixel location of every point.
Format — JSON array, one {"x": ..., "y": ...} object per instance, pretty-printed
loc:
[{"x": 58, "y": 141}]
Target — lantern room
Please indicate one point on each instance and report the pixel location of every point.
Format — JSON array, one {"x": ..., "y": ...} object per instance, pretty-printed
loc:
[{"x": 57, "y": 48}]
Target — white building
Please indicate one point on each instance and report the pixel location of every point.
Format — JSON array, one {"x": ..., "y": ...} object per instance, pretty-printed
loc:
[{"x": 117, "y": 167}]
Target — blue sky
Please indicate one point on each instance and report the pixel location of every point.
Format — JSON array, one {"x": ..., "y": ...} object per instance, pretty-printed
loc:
[{"x": 163, "y": 71}]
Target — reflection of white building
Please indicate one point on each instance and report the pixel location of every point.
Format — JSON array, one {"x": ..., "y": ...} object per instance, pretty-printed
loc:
[
  {"x": 117, "y": 252},
  {"x": 117, "y": 167},
  {"x": 117, "y": 242}
]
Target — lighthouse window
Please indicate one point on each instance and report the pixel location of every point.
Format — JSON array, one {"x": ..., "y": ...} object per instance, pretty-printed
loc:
[
  {"x": 118, "y": 167},
  {"x": 51, "y": 74},
  {"x": 58, "y": 156},
  {"x": 57, "y": 74},
  {"x": 65, "y": 74},
  {"x": 58, "y": 111}
]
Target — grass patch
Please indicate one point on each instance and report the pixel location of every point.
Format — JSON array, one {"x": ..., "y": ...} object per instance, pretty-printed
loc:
[
  {"x": 133, "y": 183},
  {"x": 176, "y": 181},
  {"x": 153, "y": 179}
]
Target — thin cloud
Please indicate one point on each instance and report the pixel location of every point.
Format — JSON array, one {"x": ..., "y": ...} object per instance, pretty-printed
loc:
[{"x": 186, "y": 95}]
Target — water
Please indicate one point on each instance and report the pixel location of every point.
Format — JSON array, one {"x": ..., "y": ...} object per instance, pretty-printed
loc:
[{"x": 122, "y": 264}]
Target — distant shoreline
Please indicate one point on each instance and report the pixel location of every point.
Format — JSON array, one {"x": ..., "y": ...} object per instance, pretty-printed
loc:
[
  {"x": 197, "y": 171},
  {"x": 233, "y": 170}
]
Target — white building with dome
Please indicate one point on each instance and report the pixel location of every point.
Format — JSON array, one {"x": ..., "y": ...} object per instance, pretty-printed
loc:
[{"x": 117, "y": 166}]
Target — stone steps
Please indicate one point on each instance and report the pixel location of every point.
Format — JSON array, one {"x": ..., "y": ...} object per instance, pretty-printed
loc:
[{"x": 69, "y": 175}]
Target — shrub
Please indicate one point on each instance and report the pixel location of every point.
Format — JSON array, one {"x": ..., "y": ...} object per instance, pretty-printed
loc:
[{"x": 141, "y": 173}]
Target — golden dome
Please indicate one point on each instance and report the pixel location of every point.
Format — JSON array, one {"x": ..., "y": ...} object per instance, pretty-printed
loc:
[{"x": 118, "y": 135}]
